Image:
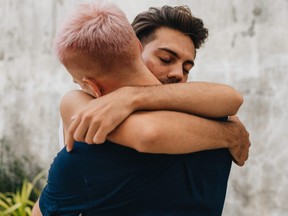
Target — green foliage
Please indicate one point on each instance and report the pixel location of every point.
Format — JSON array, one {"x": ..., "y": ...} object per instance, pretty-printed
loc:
[
  {"x": 15, "y": 167},
  {"x": 21, "y": 202}
]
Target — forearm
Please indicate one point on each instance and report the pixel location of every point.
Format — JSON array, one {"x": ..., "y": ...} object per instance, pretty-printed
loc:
[
  {"x": 198, "y": 98},
  {"x": 151, "y": 131},
  {"x": 172, "y": 133}
]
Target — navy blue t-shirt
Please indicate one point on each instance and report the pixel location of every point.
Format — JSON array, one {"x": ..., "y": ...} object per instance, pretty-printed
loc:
[{"x": 112, "y": 180}]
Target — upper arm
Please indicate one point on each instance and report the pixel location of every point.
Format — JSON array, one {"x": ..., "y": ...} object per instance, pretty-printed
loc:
[{"x": 36, "y": 210}]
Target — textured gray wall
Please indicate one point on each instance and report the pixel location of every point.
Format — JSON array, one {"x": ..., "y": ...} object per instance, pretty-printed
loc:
[{"x": 247, "y": 48}]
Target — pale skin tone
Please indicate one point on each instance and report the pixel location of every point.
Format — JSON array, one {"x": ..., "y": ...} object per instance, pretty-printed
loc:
[{"x": 159, "y": 131}]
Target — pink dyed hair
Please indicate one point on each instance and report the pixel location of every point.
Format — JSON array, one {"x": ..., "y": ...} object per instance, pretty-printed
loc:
[{"x": 99, "y": 29}]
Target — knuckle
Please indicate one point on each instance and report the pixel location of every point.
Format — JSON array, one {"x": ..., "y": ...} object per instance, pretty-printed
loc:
[
  {"x": 98, "y": 139},
  {"x": 77, "y": 137},
  {"x": 88, "y": 140},
  {"x": 95, "y": 120},
  {"x": 86, "y": 116}
]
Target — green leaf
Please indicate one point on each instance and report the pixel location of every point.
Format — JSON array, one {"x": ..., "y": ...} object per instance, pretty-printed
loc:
[
  {"x": 11, "y": 209},
  {"x": 18, "y": 203}
]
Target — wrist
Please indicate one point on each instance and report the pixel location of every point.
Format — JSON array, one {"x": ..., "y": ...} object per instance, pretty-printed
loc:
[
  {"x": 134, "y": 97},
  {"x": 144, "y": 98}
]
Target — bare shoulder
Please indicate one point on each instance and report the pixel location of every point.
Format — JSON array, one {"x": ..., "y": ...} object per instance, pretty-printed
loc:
[
  {"x": 72, "y": 102},
  {"x": 73, "y": 98}
]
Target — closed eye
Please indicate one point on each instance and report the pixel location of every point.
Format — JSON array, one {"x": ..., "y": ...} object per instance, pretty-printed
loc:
[{"x": 166, "y": 60}]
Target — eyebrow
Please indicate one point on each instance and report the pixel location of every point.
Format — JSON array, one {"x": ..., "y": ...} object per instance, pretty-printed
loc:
[{"x": 175, "y": 54}]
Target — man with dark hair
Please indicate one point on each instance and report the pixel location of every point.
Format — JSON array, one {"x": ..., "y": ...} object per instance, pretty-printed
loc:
[
  {"x": 178, "y": 18},
  {"x": 111, "y": 179}
]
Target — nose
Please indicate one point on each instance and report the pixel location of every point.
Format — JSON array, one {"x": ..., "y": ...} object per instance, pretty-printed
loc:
[{"x": 176, "y": 74}]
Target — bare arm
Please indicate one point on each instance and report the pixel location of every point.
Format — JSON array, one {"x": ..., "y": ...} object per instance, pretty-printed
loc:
[
  {"x": 103, "y": 115},
  {"x": 195, "y": 98},
  {"x": 176, "y": 133},
  {"x": 36, "y": 209},
  {"x": 161, "y": 131},
  {"x": 173, "y": 133}
]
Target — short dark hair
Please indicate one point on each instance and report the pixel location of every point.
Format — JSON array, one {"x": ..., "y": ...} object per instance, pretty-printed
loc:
[{"x": 179, "y": 18}]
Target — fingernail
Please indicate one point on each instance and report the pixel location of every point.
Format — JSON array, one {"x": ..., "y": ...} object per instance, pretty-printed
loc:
[{"x": 68, "y": 149}]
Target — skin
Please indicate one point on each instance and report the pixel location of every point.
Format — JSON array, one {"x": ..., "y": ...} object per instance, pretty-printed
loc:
[{"x": 169, "y": 60}]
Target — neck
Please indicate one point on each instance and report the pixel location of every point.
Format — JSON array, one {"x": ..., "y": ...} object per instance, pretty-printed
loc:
[{"x": 136, "y": 75}]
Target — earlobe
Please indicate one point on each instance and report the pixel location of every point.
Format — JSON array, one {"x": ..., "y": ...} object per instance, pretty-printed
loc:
[{"x": 93, "y": 86}]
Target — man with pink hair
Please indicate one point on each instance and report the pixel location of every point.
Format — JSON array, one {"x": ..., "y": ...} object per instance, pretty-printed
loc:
[{"x": 111, "y": 179}]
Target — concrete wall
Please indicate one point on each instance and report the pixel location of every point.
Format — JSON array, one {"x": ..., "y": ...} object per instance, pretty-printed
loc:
[{"x": 247, "y": 49}]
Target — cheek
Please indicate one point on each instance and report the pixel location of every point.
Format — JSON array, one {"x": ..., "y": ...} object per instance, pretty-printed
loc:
[
  {"x": 156, "y": 70},
  {"x": 150, "y": 65}
]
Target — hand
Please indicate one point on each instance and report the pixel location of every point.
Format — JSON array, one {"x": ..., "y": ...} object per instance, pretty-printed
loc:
[
  {"x": 240, "y": 142},
  {"x": 100, "y": 117}
]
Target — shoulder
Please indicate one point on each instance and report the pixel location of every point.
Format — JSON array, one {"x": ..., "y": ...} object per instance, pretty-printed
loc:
[
  {"x": 73, "y": 97},
  {"x": 73, "y": 102},
  {"x": 64, "y": 173}
]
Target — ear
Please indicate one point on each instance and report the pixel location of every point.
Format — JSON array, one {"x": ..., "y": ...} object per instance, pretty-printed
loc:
[
  {"x": 140, "y": 45},
  {"x": 93, "y": 86}
]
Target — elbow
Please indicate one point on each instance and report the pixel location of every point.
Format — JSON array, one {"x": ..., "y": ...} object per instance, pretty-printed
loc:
[
  {"x": 236, "y": 103},
  {"x": 147, "y": 140}
]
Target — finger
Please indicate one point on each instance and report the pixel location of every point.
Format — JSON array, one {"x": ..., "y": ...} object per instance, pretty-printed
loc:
[
  {"x": 234, "y": 160},
  {"x": 74, "y": 117},
  {"x": 70, "y": 143},
  {"x": 69, "y": 140},
  {"x": 81, "y": 130},
  {"x": 92, "y": 130},
  {"x": 243, "y": 156},
  {"x": 100, "y": 136},
  {"x": 238, "y": 157},
  {"x": 239, "y": 163}
]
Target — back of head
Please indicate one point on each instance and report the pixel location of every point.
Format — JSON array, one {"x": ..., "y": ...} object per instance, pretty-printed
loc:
[
  {"x": 178, "y": 18},
  {"x": 98, "y": 32}
]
